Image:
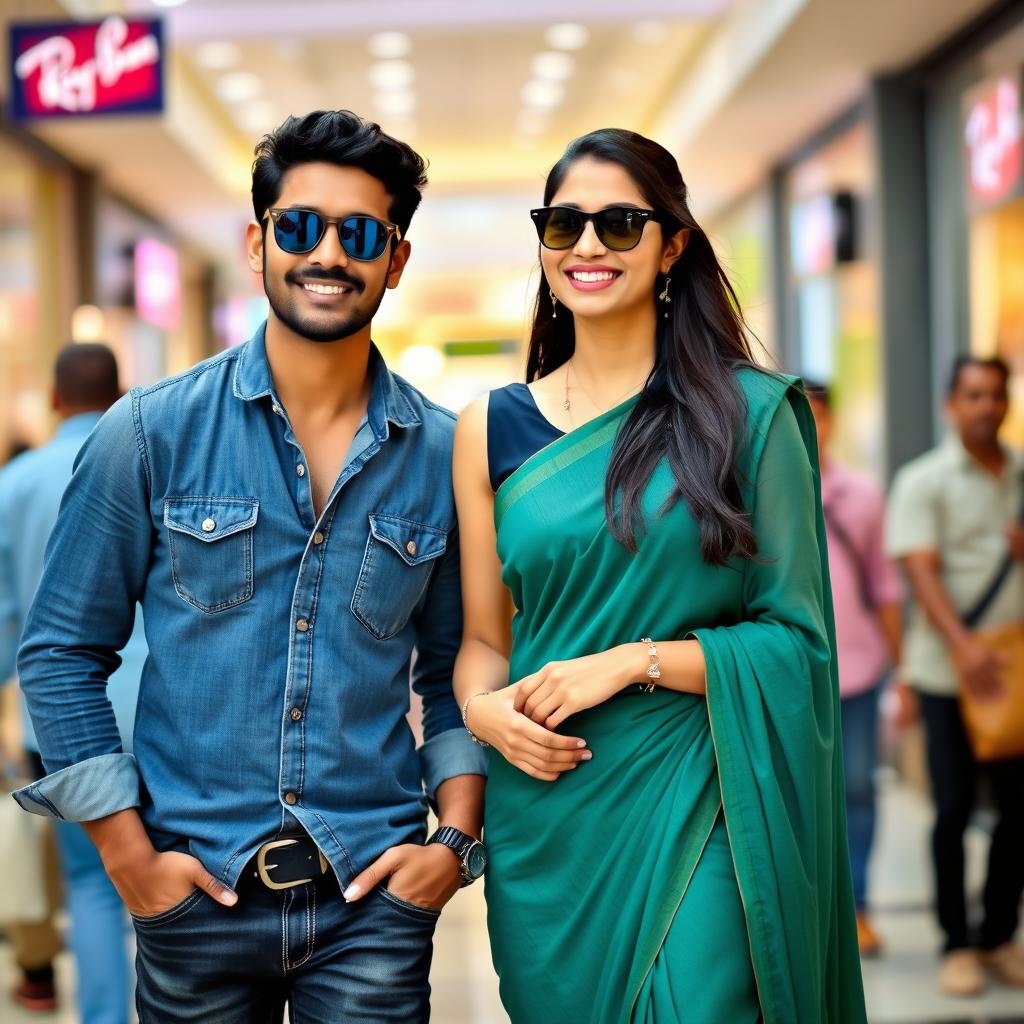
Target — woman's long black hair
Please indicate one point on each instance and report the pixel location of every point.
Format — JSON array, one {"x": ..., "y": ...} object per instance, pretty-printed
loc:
[{"x": 692, "y": 409}]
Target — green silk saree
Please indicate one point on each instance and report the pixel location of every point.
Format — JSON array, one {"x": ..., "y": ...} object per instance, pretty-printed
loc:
[{"x": 696, "y": 870}]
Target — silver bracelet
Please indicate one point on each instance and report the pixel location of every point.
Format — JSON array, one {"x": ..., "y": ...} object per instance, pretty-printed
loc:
[
  {"x": 654, "y": 669},
  {"x": 465, "y": 707}
]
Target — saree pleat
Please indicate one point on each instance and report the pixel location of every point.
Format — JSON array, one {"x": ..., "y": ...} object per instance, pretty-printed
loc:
[{"x": 595, "y": 885}]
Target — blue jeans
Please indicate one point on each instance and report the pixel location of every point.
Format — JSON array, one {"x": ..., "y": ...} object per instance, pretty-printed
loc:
[
  {"x": 860, "y": 758},
  {"x": 329, "y": 961}
]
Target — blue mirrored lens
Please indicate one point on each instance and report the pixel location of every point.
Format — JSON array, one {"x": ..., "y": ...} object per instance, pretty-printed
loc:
[
  {"x": 363, "y": 238},
  {"x": 298, "y": 231}
]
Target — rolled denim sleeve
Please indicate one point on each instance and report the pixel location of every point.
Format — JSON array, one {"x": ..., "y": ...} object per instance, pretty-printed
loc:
[
  {"x": 86, "y": 791},
  {"x": 82, "y": 615},
  {"x": 447, "y": 750}
]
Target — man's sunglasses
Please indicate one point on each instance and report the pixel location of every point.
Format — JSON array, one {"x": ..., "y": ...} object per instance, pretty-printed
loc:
[
  {"x": 298, "y": 231},
  {"x": 619, "y": 228}
]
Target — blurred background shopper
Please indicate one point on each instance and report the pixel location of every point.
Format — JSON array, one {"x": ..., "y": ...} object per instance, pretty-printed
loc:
[
  {"x": 953, "y": 515},
  {"x": 85, "y": 386}
]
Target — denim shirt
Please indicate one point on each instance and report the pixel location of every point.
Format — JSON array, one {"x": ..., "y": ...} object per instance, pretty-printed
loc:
[{"x": 276, "y": 689}]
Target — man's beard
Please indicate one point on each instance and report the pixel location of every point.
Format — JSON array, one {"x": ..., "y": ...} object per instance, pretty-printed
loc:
[{"x": 316, "y": 329}]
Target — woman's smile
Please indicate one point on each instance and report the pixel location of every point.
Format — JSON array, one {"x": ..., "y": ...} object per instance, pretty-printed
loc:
[{"x": 591, "y": 277}]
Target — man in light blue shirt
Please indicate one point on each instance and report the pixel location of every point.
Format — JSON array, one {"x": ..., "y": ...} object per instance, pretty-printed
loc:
[{"x": 30, "y": 492}]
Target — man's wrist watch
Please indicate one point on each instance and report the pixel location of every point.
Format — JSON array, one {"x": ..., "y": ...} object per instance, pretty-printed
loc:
[{"x": 471, "y": 852}]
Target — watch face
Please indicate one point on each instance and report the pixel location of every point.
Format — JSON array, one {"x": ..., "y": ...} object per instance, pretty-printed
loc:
[{"x": 476, "y": 860}]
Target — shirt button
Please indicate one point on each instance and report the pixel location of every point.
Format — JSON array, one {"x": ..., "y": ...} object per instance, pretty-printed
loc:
[
  {"x": 411, "y": 547},
  {"x": 318, "y": 537},
  {"x": 300, "y": 470},
  {"x": 209, "y": 525},
  {"x": 302, "y": 625},
  {"x": 277, "y": 409},
  {"x": 291, "y": 799},
  {"x": 296, "y": 714}
]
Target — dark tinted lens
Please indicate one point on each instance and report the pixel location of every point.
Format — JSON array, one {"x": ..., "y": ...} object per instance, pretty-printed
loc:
[
  {"x": 363, "y": 238},
  {"x": 562, "y": 229},
  {"x": 298, "y": 231},
  {"x": 619, "y": 228}
]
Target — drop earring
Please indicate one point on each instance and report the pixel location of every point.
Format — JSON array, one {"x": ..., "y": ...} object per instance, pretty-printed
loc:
[
  {"x": 664, "y": 296},
  {"x": 554, "y": 303}
]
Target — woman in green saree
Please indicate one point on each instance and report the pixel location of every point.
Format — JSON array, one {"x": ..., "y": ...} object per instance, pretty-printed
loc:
[{"x": 648, "y": 637}]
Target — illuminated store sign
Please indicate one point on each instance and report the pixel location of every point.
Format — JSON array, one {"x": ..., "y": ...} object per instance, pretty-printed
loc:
[
  {"x": 157, "y": 284},
  {"x": 114, "y": 66},
  {"x": 992, "y": 136}
]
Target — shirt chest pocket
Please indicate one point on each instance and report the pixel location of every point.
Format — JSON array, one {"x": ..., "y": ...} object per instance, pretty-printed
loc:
[
  {"x": 399, "y": 558},
  {"x": 211, "y": 549}
]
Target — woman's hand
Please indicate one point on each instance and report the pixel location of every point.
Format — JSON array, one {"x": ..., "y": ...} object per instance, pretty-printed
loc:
[
  {"x": 561, "y": 688},
  {"x": 533, "y": 749}
]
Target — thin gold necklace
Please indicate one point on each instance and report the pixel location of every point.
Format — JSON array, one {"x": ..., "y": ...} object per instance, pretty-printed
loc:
[{"x": 567, "y": 405}]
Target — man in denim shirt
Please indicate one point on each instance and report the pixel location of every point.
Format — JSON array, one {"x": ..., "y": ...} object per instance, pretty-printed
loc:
[{"x": 284, "y": 514}]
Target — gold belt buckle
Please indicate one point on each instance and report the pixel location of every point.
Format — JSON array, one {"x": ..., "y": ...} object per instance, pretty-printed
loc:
[{"x": 263, "y": 868}]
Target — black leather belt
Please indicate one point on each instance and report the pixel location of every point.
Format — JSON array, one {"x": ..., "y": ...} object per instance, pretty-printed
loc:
[{"x": 287, "y": 862}]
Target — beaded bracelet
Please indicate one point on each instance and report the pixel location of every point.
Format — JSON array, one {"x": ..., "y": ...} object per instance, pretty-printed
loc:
[{"x": 465, "y": 707}]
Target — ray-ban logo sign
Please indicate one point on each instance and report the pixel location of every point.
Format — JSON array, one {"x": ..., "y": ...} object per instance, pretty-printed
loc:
[{"x": 114, "y": 66}]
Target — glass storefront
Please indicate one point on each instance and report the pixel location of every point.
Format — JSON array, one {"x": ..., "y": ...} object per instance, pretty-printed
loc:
[
  {"x": 976, "y": 207},
  {"x": 742, "y": 237},
  {"x": 36, "y": 285},
  {"x": 834, "y": 289},
  {"x": 152, "y": 296},
  {"x": 993, "y": 157}
]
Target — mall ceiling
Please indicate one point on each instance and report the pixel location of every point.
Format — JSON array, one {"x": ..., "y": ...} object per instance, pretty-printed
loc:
[{"x": 489, "y": 91}]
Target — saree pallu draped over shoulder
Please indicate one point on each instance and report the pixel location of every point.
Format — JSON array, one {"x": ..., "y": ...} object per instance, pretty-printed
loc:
[{"x": 696, "y": 870}]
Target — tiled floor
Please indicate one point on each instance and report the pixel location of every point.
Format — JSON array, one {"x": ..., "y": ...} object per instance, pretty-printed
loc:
[{"x": 900, "y": 985}]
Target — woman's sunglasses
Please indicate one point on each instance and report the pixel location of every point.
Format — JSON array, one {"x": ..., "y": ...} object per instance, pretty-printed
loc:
[
  {"x": 299, "y": 231},
  {"x": 619, "y": 228}
]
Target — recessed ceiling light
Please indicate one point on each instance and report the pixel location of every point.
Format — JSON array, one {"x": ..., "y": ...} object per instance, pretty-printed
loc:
[
  {"x": 390, "y": 45},
  {"x": 167, "y": 3},
  {"x": 392, "y": 74},
  {"x": 218, "y": 55},
  {"x": 543, "y": 94},
  {"x": 650, "y": 32},
  {"x": 239, "y": 87},
  {"x": 556, "y": 65},
  {"x": 395, "y": 104},
  {"x": 567, "y": 36}
]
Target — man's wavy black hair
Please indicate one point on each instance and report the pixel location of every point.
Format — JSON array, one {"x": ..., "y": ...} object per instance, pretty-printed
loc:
[{"x": 343, "y": 138}]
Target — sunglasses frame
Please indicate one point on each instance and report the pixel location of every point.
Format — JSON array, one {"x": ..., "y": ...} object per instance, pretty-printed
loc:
[
  {"x": 542, "y": 214},
  {"x": 274, "y": 213}
]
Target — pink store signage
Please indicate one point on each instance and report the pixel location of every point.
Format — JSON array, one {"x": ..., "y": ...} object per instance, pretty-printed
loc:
[{"x": 992, "y": 140}]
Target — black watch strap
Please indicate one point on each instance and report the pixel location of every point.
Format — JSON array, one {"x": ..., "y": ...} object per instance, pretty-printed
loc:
[{"x": 455, "y": 839}]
